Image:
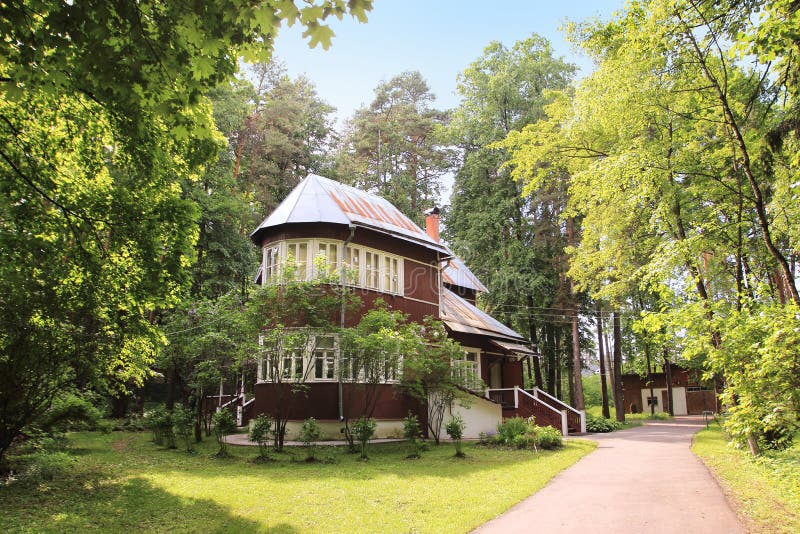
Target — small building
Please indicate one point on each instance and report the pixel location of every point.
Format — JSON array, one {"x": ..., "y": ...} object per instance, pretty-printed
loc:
[{"x": 690, "y": 395}]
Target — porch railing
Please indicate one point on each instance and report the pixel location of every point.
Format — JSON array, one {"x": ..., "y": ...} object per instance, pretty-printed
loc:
[
  {"x": 525, "y": 404},
  {"x": 575, "y": 418}
]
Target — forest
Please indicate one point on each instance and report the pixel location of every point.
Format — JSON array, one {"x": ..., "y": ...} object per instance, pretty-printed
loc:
[{"x": 643, "y": 214}]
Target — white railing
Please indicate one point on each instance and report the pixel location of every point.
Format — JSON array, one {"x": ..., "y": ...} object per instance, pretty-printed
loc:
[
  {"x": 562, "y": 414},
  {"x": 565, "y": 406}
]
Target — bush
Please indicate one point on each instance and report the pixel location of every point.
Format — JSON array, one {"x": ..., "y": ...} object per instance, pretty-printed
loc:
[
  {"x": 601, "y": 424},
  {"x": 510, "y": 428},
  {"x": 364, "y": 430},
  {"x": 260, "y": 431},
  {"x": 45, "y": 466},
  {"x": 548, "y": 437},
  {"x": 70, "y": 411},
  {"x": 224, "y": 425},
  {"x": 183, "y": 426},
  {"x": 159, "y": 421},
  {"x": 523, "y": 441},
  {"x": 412, "y": 432},
  {"x": 455, "y": 429},
  {"x": 309, "y": 434}
]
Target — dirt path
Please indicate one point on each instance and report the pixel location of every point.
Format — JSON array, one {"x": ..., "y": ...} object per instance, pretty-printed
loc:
[{"x": 644, "y": 479}]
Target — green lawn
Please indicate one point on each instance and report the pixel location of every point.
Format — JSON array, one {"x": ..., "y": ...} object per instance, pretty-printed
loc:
[
  {"x": 123, "y": 482},
  {"x": 767, "y": 490}
]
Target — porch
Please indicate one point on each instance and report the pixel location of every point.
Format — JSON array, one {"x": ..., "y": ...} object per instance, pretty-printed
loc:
[{"x": 546, "y": 409}]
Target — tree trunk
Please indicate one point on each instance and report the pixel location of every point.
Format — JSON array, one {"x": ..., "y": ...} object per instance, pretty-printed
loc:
[
  {"x": 668, "y": 373},
  {"x": 558, "y": 365},
  {"x": 601, "y": 354},
  {"x": 551, "y": 359},
  {"x": 537, "y": 365},
  {"x": 619, "y": 402},
  {"x": 652, "y": 400},
  {"x": 171, "y": 388},
  {"x": 577, "y": 361}
]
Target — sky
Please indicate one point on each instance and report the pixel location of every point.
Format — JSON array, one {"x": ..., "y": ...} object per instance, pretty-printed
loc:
[{"x": 439, "y": 38}]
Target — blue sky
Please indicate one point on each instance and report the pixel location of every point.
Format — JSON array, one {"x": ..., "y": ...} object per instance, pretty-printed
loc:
[{"x": 439, "y": 38}]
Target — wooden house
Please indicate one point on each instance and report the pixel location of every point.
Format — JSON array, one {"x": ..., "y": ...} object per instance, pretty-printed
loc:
[{"x": 389, "y": 257}]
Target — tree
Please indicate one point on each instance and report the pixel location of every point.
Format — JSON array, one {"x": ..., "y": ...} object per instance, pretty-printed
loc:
[
  {"x": 103, "y": 116},
  {"x": 513, "y": 241},
  {"x": 394, "y": 147}
]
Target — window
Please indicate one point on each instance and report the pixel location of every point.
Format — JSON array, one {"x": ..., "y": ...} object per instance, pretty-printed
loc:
[
  {"x": 372, "y": 273},
  {"x": 352, "y": 257},
  {"x": 292, "y": 365},
  {"x": 272, "y": 255},
  {"x": 324, "y": 358},
  {"x": 391, "y": 281},
  {"x": 326, "y": 260},
  {"x": 299, "y": 253},
  {"x": 307, "y": 259},
  {"x": 467, "y": 370}
]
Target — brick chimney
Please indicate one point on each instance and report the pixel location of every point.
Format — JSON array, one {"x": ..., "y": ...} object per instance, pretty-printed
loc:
[{"x": 432, "y": 223}]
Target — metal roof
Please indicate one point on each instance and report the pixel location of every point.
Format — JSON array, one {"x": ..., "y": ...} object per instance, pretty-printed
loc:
[
  {"x": 461, "y": 316},
  {"x": 515, "y": 348},
  {"x": 458, "y": 274},
  {"x": 322, "y": 200}
]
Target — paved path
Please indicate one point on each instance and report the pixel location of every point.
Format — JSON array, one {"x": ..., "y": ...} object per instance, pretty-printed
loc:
[{"x": 643, "y": 479}]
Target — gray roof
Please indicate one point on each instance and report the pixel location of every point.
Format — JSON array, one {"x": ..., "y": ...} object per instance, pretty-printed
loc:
[
  {"x": 461, "y": 316},
  {"x": 321, "y": 200},
  {"x": 458, "y": 274}
]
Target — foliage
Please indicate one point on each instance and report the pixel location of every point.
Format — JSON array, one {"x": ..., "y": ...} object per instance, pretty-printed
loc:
[
  {"x": 182, "y": 426},
  {"x": 601, "y": 424},
  {"x": 43, "y": 466},
  {"x": 395, "y": 147},
  {"x": 70, "y": 411},
  {"x": 260, "y": 429},
  {"x": 412, "y": 432},
  {"x": 159, "y": 421},
  {"x": 428, "y": 377},
  {"x": 224, "y": 425},
  {"x": 455, "y": 429},
  {"x": 149, "y": 488},
  {"x": 766, "y": 487},
  {"x": 309, "y": 435},
  {"x": 364, "y": 430},
  {"x": 511, "y": 428},
  {"x": 547, "y": 437}
]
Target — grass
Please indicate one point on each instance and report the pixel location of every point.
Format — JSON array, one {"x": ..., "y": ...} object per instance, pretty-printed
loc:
[
  {"x": 123, "y": 482},
  {"x": 631, "y": 419},
  {"x": 767, "y": 489}
]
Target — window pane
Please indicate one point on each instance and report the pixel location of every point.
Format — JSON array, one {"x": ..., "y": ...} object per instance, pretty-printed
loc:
[{"x": 325, "y": 342}]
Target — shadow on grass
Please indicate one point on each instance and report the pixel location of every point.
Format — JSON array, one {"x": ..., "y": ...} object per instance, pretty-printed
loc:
[{"x": 89, "y": 501}]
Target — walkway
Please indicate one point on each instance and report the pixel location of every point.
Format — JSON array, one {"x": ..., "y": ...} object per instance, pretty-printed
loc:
[{"x": 644, "y": 479}]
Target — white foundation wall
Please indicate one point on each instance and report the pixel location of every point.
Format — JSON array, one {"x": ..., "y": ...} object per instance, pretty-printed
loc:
[
  {"x": 482, "y": 415},
  {"x": 678, "y": 400},
  {"x": 331, "y": 430}
]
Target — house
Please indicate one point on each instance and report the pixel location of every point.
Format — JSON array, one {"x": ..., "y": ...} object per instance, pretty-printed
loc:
[
  {"x": 690, "y": 395},
  {"x": 389, "y": 257}
]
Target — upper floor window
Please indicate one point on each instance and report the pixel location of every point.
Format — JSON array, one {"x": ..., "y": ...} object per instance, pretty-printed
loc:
[{"x": 306, "y": 259}]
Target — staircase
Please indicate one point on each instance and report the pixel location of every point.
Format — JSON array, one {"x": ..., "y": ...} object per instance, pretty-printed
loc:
[{"x": 546, "y": 409}]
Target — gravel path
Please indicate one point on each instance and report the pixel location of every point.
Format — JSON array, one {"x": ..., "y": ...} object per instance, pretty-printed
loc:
[{"x": 644, "y": 479}]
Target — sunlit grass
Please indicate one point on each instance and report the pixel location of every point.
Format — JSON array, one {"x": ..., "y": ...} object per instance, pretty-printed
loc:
[
  {"x": 124, "y": 482},
  {"x": 767, "y": 490}
]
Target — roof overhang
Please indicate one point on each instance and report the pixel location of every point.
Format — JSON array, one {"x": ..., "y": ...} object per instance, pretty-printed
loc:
[{"x": 516, "y": 349}]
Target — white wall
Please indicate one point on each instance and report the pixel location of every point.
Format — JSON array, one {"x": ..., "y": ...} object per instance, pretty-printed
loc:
[
  {"x": 678, "y": 400},
  {"x": 482, "y": 415},
  {"x": 332, "y": 429}
]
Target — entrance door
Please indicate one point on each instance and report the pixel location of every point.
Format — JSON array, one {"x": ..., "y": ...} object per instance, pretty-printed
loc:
[
  {"x": 665, "y": 400},
  {"x": 496, "y": 375}
]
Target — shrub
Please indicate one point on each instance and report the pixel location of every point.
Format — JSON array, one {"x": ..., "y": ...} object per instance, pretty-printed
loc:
[
  {"x": 70, "y": 411},
  {"x": 455, "y": 429},
  {"x": 45, "y": 466},
  {"x": 309, "y": 434},
  {"x": 411, "y": 432},
  {"x": 548, "y": 437},
  {"x": 260, "y": 431},
  {"x": 601, "y": 424},
  {"x": 159, "y": 421},
  {"x": 523, "y": 441},
  {"x": 224, "y": 425},
  {"x": 364, "y": 430},
  {"x": 510, "y": 428},
  {"x": 183, "y": 426}
]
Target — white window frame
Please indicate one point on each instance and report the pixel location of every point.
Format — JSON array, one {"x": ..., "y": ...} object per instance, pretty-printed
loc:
[
  {"x": 458, "y": 367},
  {"x": 387, "y": 269}
]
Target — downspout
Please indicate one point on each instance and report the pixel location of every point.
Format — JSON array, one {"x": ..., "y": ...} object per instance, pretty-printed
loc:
[{"x": 342, "y": 314}]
